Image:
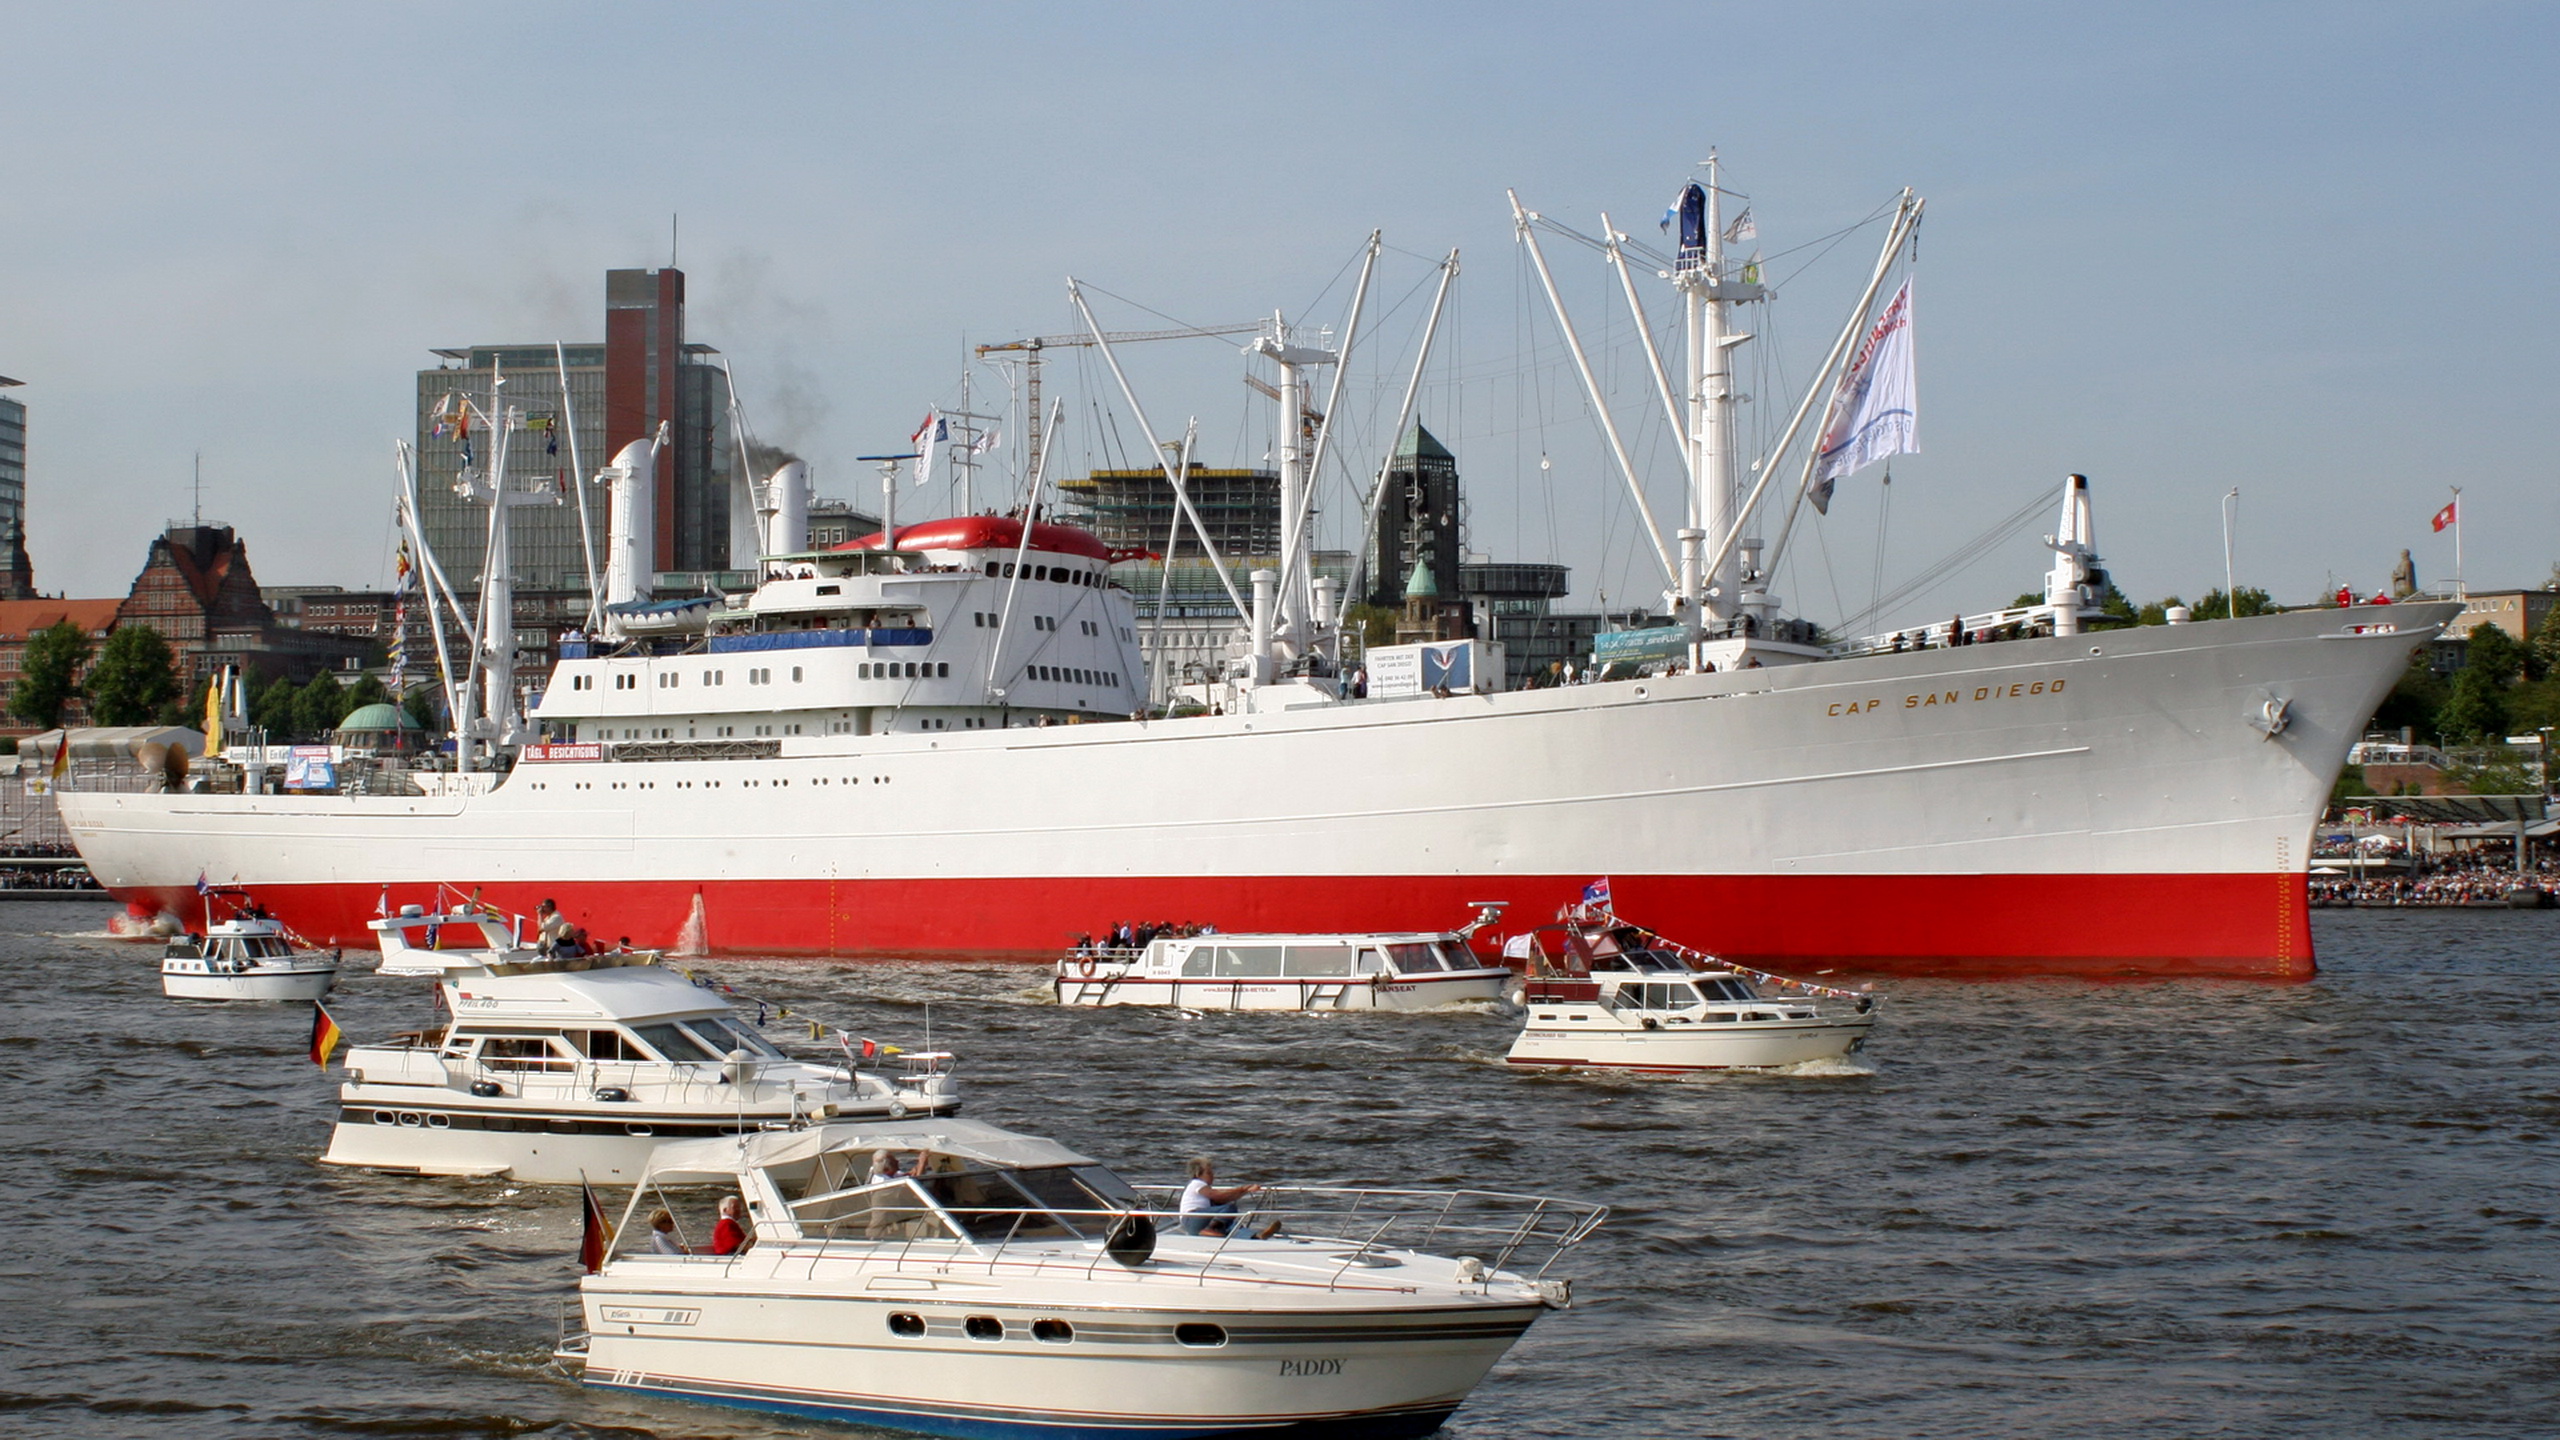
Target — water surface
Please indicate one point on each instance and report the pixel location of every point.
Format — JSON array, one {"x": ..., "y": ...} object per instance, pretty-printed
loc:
[{"x": 2166, "y": 1209}]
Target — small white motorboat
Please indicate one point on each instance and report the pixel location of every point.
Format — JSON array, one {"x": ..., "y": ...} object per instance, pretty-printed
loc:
[
  {"x": 1357, "y": 971},
  {"x": 247, "y": 957},
  {"x": 556, "y": 1067},
  {"x": 998, "y": 1284},
  {"x": 1607, "y": 995}
]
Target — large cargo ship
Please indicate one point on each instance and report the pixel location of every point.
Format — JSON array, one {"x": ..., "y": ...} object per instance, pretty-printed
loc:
[{"x": 936, "y": 743}]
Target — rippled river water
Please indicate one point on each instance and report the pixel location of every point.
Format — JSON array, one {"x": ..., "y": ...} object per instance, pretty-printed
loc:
[{"x": 2052, "y": 1207}]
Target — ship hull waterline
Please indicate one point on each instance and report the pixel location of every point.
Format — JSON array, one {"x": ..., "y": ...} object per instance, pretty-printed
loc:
[{"x": 2127, "y": 802}]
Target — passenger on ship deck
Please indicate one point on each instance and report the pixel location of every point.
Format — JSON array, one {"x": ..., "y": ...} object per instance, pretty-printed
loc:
[
  {"x": 1204, "y": 1201},
  {"x": 662, "y": 1235},
  {"x": 551, "y": 926},
  {"x": 731, "y": 1236}
]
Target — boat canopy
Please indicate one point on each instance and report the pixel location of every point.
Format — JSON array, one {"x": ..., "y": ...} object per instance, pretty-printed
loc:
[{"x": 697, "y": 1161}]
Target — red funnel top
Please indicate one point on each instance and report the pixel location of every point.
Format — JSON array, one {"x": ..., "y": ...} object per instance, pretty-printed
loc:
[{"x": 987, "y": 532}]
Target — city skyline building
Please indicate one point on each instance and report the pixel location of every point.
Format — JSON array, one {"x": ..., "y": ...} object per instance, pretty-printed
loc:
[
  {"x": 616, "y": 391},
  {"x": 1420, "y": 519},
  {"x": 17, "y": 572}
]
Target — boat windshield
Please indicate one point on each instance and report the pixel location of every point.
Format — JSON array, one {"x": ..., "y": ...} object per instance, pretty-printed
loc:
[
  {"x": 724, "y": 1035},
  {"x": 1414, "y": 959},
  {"x": 1727, "y": 990},
  {"x": 1050, "y": 1202},
  {"x": 673, "y": 1044},
  {"x": 1655, "y": 962},
  {"x": 1458, "y": 957}
]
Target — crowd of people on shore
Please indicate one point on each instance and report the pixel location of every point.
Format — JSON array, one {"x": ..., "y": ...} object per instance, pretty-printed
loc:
[
  {"x": 1126, "y": 936},
  {"x": 46, "y": 877},
  {"x": 2479, "y": 877}
]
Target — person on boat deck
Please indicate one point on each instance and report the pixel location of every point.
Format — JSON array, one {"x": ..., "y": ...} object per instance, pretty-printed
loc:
[
  {"x": 1204, "y": 1201},
  {"x": 662, "y": 1235},
  {"x": 550, "y": 925},
  {"x": 730, "y": 1236}
]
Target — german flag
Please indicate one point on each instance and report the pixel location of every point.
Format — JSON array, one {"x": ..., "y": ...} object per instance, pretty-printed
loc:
[
  {"x": 596, "y": 1233},
  {"x": 324, "y": 1035}
]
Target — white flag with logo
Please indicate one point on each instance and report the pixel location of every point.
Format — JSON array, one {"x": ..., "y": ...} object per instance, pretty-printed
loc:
[
  {"x": 928, "y": 439},
  {"x": 1875, "y": 410}
]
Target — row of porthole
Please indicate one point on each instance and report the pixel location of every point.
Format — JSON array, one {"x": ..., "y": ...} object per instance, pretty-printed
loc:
[
  {"x": 412, "y": 1119},
  {"x": 909, "y": 1325}
]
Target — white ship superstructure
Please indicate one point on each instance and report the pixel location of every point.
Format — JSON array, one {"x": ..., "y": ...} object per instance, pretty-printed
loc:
[{"x": 878, "y": 751}]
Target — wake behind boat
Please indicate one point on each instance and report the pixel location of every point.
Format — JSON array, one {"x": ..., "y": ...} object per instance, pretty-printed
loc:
[
  {"x": 957, "y": 1279},
  {"x": 1358, "y": 971},
  {"x": 554, "y": 1067}
]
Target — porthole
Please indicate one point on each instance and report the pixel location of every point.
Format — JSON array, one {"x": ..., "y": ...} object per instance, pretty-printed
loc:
[
  {"x": 1200, "y": 1336},
  {"x": 439, "y": 1122},
  {"x": 983, "y": 1327},
  {"x": 410, "y": 1119},
  {"x": 905, "y": 1324},
  {"x": 385, "y": 1117},
  {"x": 636, "y": 1128},
  {"x": 1056, "y": 1332}
]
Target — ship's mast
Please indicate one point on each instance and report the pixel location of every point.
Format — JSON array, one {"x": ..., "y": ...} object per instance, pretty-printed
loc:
[
  {"x": 1291, "y": 635},
  {"x": 1710, "y": 594}
]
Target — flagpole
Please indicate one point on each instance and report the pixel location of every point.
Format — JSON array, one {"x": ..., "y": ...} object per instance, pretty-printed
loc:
[
  {"x": 2230, "y": 588},
  {"x": 2459, "y": 592}
]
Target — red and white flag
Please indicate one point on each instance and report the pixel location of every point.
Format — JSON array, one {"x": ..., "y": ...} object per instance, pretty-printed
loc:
[{"x": 2446, "y": 516}]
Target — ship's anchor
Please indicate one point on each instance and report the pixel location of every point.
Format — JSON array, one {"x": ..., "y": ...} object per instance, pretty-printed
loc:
[{"x": 2272, "y": 715}]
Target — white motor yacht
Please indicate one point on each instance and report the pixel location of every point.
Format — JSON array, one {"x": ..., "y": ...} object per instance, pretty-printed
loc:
[
  {"x": 247, "y": 957},
  {"x": 1017, "y": 1288},
  {"x": 1364, "y": 971},
  {"x": 1612, "y": 996},
  {"x": 556, "y": 1068}
]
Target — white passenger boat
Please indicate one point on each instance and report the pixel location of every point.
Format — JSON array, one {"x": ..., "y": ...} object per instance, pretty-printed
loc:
[
  {"x": 1364, "y": 971},
  {"x": 247, "y": 957},
  {"x": 1611, "y": 996},
  {"x": 553, "y": 1068},
  {"x": 1017, "y": 1288}
]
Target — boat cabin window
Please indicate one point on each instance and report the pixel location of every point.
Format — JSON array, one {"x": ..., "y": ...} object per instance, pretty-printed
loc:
[
  {"x": 1373, "y": 961},
  {"x": 1457, "y": 957},
  {"x": 673, "y": 1044},
  {"x": 1198, "y": 961},
  {"x": 1656, "y": 962},
  {"x": 723, "y": 1036},
  {"x": 1726, "y": 990},
  {"x": 605, "y": 1045},
  {"x": 1319, "y": 960},
  {"x": 1414, "y": 959},
  {"x": 1248, "y": 961},
  {"x": 526, "y": 1052}
]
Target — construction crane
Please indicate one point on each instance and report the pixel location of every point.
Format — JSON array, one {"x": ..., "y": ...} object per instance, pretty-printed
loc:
[{"x": 1032, "y": 347}]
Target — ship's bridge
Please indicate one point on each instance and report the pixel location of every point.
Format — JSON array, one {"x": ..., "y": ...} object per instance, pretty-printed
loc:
[{"x": 963, "y": 624}]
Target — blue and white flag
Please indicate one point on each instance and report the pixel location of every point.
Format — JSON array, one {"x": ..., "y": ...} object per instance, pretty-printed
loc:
[
  {"x": 1875, "y": 411},
  {"x": 1595, "y": 896}
]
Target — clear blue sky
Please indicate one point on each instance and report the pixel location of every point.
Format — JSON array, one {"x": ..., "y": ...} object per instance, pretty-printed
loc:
[{"x": 2300, "y": 249}]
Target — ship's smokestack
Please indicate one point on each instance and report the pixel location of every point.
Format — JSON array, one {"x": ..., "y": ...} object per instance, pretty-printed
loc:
[
  {"x": 786, "y": 510},
  {"x": 631, "y": 484}
]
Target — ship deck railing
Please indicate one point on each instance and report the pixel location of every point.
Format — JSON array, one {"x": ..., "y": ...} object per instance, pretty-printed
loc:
[
  {"x": 900, "y": 1225},
  {"x": 2014, "y": 623}
]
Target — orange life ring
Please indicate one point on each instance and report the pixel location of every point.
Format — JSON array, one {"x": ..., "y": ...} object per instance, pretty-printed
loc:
[{"x": 1085, "y": 967}]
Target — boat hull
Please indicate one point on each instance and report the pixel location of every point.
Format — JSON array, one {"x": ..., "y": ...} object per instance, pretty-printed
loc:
[
  {"x": 1603, "y": 1044},
  {"x": 272, "y": 985},
  {"x": 2132, "y": 802},
  {"x": 1408, "y": 993},
  {"x": 1304, "y": 1373}
]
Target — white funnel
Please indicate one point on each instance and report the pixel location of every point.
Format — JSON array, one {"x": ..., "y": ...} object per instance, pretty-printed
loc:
[
  {"x": 785, "y": 510},
  {"x": 631, "y": 483}
]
